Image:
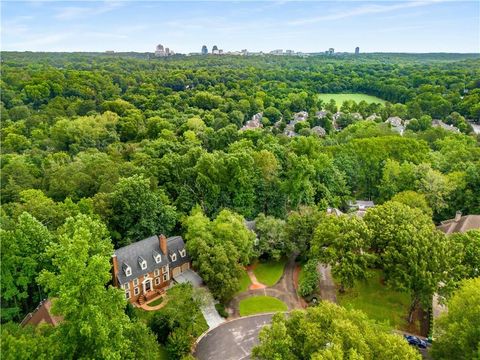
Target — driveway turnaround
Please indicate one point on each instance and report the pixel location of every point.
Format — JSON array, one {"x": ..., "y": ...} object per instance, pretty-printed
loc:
[{"x": 232, "y": 340}]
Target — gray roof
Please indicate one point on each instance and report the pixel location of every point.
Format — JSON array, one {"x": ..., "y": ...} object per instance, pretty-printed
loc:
[
  {"x": 146, "y": 249},
  {"x": 461, "y": 225}
]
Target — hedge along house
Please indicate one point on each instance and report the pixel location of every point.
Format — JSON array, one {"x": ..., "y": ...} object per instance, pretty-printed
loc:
[{"x": 146, "y": 268}]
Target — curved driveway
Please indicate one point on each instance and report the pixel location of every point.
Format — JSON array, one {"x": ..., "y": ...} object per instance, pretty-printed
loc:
[{"x": 232, "y": 340}]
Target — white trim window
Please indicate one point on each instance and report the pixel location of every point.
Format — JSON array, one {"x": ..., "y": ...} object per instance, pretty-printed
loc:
[
  {"x": 127, "y": 295},
  {"x": 173, "y": 257},
  {"x": 166, "y": 277},
  {"x": 142, "y": 262},
  {"x": 126, "y": 286},
  {"x": 135, "y": 282},
  {"x": 157, "y": 272},
  {"x": 136, "y": 291},
  {"x": 183, "y": 253},
  {"x": 165, "y": 269},
  {"x": 128, "y": 270},
  {"x": 157, "y": 281}
]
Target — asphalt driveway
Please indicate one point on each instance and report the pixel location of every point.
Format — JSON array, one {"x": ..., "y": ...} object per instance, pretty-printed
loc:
[{"x": 232, "y": 340}]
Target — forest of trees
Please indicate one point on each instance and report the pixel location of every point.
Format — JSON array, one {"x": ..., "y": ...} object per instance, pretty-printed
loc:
[{"x": 101, "y": 151}]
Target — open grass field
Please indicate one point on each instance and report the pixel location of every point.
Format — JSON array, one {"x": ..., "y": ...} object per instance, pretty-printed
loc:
[
  {"x": 377, "y": 301},
  {"x": 269, "y": 272},
  {"x": 340, "y": 98},
  {"x": 244, "y": 282},
  {"x": 261, "y": 304}
]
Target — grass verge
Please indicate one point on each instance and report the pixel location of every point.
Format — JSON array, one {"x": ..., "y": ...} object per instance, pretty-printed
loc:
[
  {"x": 261, "y": 304},
  {"x": 269, "y": 272}
]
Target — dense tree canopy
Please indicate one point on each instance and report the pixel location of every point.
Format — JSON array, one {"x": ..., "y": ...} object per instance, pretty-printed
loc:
[
  {"x": 120, "y": 147},
  {"x": 328, "y": 331}
]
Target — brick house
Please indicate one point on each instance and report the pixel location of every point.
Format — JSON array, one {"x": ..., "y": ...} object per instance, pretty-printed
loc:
[{"x": 147, "y": 267}]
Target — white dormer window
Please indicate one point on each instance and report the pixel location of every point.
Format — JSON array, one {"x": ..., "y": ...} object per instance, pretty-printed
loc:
[
  {"x": 127, "y": 269},
  {"x": 157, "y": 257},
  {"x": 183, "y": 253},
  {"x": 142, "y": 262},
  {"x": 173, "y": 257}
]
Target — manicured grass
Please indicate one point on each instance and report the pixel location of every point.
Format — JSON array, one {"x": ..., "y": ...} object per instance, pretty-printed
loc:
[
  {"x": 261, "y": 304},
  {"x": 377, "y": 301},
  {"x": 269, "y": 272},
  {"x": 340, "y": 98},
  {"x": 156, "y": 302},
  {"x": 244, "y": 282},
  {"x": 163, "y": 355}
]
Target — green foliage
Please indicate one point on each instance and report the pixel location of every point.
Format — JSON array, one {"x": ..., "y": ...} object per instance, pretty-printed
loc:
[
  {"x": 457, "y": 334},
  {"x": 328, "y": 331},
  {"x": 23, "y": 257},
  {"x": 273, "y": 241},
  {"x": 343, "y": 242},
  {"x": 414, "y": 256},
  {"x": 308, "y": 279},
  {"x": 219, "y": 248},
  {"x": 180, "y": 321},
  {"x": 136, "y": 212}
]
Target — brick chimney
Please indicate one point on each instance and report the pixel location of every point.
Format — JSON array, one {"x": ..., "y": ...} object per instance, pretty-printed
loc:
[
  {"x": 458, "y": 215},
  {"x": 162, "y": 240},
  {"x": 115, "y": 269}
]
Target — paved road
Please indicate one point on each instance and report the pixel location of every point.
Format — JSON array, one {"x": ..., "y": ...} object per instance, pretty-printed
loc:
[
  {"x": 232, "y": 340},
  {"x": 328, "y": 291}
]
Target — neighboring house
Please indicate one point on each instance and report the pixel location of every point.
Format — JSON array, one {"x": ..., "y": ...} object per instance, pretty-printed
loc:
[
  {"x": 41, "y": 315},
  {"x": 320, "y": 131},
  {"x": 360, "y": 207},
  {"x": 334, "y": 211},
  {"x": 397, "y": 124},
  {"x": 254, "y": 123},
  {"x": 146, "y": 268},
  {"x": 297, "y": 117},
  {"x": 440, "y": 123},
  {"x": 300, "y": 116},
  {"x": 252, "y": 225},
  {"x": 460, "y": 223},
  {"x": 373, "y": 117},
  {"x": 357, "y": 116},
  {"x": 321, "y": 114}
]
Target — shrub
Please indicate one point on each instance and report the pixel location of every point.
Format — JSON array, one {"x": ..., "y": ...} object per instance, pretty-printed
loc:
[{"x": 309, "y": 280}]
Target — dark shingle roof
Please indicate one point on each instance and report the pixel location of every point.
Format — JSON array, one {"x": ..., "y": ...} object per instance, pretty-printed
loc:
[
  {"x": 147, "y": 249},
  {"x": 465, "y": 223}
]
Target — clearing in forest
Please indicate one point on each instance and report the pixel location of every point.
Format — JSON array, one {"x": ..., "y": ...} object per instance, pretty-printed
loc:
[{"x": 340, "y": 98}]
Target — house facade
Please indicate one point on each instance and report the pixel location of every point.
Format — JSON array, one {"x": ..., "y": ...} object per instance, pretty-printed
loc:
[{"x": 146, "y": 268}]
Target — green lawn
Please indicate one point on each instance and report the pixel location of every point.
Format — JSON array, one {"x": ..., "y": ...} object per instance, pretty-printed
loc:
[
  {"x": 156, "y": 302},
  {"x": 269, "y": 272},
  {"x": 244, "y": 282},
  {"x": 163, "y": 355},
  {"x": 377, "y": 301},
  {"x": 261, "y": 304},
  {"x": 340, "y": 98}
]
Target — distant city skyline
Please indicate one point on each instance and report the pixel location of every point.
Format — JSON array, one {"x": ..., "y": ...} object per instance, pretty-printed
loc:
[{"x": 312, "y": 26}]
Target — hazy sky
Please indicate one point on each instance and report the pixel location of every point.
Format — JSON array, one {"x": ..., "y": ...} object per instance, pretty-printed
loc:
[{"x": 184, "y": 26}]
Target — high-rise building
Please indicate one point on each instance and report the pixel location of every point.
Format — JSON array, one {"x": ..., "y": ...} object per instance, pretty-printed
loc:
[
  {"x": 204, "y": 50},
  {"x": 159, "y": 51},
  {"x": 357, "y": 50},
  {"x": 331, "y": 51},
  {"x": 214, "y": 48}
]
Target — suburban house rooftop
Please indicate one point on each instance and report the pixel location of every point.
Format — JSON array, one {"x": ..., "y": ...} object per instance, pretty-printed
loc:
[
  {"x": 460, "y": 223},
  {"x": 146, "y": 255}
]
